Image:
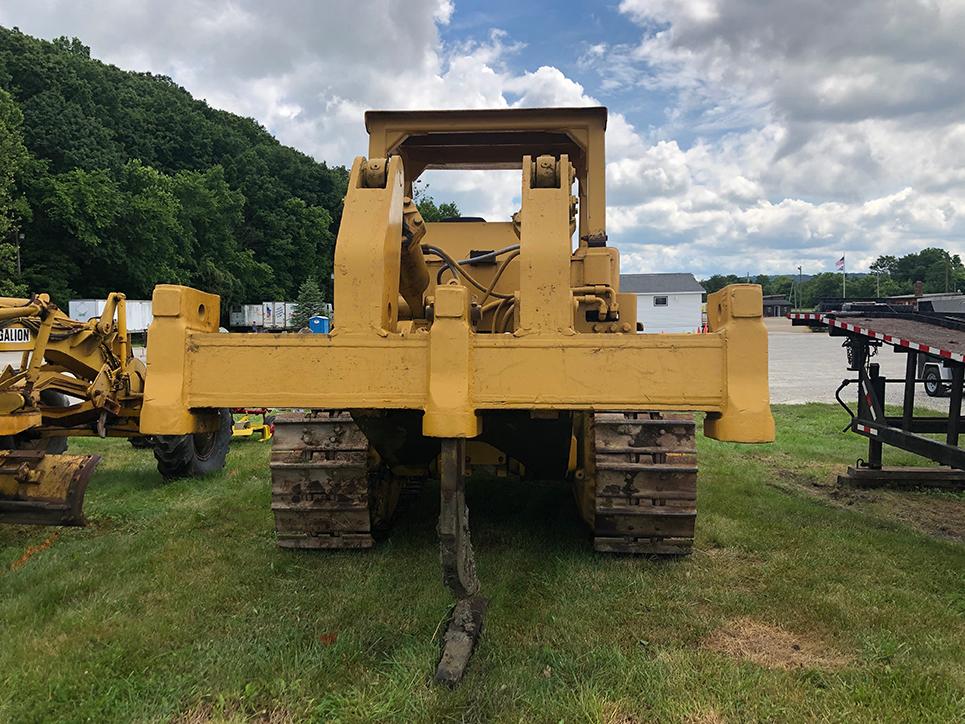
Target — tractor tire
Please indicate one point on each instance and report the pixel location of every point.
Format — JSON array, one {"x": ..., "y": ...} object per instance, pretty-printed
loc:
[
  {"x": 932, "y": 381},
  {"x": 188, "y": 456},
  {"x": 141, "y": 442}
]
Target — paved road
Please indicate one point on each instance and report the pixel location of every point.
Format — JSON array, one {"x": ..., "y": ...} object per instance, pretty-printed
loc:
[{"x": 807, "y": 366}]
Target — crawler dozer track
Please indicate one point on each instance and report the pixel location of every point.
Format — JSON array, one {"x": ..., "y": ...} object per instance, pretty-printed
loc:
[
  {"x": 645, "y": 473},
  {"x": 328, "y": 489}
]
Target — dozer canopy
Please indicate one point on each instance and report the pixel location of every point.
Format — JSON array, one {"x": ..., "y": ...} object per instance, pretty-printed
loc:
[{"x": 498, "y": 139}]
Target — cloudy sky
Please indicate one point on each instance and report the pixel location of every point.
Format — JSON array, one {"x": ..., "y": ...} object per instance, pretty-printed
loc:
[{"x": 744, "y": 136}]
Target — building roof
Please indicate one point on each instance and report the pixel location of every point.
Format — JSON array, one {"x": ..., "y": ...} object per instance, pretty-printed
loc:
[{"x": 659, "y": 283}]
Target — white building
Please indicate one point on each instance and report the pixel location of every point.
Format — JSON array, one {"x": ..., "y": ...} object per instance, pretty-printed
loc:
[{"x": 666, "y": 302}]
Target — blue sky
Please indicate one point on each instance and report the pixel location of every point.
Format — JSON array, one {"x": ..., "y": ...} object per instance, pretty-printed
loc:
[
  {"x": 559, "y": 35},
  {"x": 743, "y": 136}
]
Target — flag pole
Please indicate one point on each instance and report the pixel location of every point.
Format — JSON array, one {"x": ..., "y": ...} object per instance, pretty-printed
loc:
[{"x": 844, "y": 277}]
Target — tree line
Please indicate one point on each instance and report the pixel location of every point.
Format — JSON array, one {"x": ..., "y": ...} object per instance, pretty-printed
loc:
[
  {"x": 112, "y": 180},
  {"x": 119, "y": 181},
  {"x": 888, "y": 275}
]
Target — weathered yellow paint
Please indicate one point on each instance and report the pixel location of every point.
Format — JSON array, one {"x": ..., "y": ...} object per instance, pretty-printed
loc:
[
  {"x": 711, "y": 372},
  {"x": 545, "y": 299},
  {"x": 735, "y": 312},
  {"x": 367, "y": 252},
  {"x": 177, "y": 312},
  {"x": 487, "y": 139},
  {"x": 13, "y": 424},
  {"x": 571, "y": 341},
  {"x": 70, "y": 357},
  {"x": 448, "y": 407}
]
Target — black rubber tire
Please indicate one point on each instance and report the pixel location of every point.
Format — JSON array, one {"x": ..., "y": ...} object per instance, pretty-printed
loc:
[
  {"x": 933, "y": 382},
  {"x": 188, "y": 456},
  {"x": 141, "y": 442}
]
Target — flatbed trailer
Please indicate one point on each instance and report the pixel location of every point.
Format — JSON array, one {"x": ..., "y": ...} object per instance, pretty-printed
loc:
[
  {"x": 925, "y": 339},
  {"x": 814, "y": 320}
]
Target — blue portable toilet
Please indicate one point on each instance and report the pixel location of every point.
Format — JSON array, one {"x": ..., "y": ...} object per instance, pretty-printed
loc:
[{"x": 319, "y": 324}]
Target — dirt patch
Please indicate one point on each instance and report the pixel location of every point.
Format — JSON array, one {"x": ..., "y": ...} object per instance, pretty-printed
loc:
[
  {"x": 615, "y": 714},
  {"x": 771, "y": 646},
  {"x": 936, "y": 513},
  {"x": 32, "y": 551},
  {"x": 206, "y": 714},
  {"x": 705, "y": 716}
]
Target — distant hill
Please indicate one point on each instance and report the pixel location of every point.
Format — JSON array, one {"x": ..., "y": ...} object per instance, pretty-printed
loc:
[{"x": 128, "y": 181}]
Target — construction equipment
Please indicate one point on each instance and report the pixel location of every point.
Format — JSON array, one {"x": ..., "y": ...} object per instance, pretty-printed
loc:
[
  {"x": 246, "y": 427},
  {"x": 76, "y": 378},
  {"x": 466, "y": 346}
]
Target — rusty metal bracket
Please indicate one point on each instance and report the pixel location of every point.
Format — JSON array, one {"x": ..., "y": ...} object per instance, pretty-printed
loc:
[
  {"x": 455, "y": 548},
  {"x": 458, "y": 565}
]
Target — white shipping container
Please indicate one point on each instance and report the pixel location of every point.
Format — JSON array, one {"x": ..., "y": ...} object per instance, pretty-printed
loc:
[
  {"x": 85, "y": 309},
  {"x": 254, "y": 315},
  {"x": 236, "y": 317},
  {"x": 274, "y": 315},
  {"x": 289, "y": 314},
  {"x": 139, "y": 315}
]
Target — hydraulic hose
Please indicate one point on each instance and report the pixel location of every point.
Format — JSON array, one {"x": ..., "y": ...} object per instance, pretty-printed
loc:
[{"x": 454, "y": 265}]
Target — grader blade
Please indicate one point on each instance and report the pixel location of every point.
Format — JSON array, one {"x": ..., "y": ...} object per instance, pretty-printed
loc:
[{"x": 41, "y": 489}]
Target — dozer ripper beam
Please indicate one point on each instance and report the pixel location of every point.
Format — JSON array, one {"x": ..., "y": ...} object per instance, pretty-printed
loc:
[{"x": 503, "y": 347}]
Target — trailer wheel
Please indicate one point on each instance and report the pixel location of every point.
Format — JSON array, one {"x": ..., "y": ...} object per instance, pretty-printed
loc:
[
  {"x": 186, "y": 456},
  {"x": 933, "y": 382}
]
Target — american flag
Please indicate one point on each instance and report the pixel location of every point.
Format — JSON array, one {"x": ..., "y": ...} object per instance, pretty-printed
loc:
[{"x": 839, "y": 264}]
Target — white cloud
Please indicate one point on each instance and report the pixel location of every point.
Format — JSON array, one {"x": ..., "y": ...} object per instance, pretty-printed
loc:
[
  {"x": 793, "y": 131},
  {"x": 821, "y": 127}
]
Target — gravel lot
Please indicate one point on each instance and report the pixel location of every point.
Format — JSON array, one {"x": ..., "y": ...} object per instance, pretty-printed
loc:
[{"x": 807, "y": 366}]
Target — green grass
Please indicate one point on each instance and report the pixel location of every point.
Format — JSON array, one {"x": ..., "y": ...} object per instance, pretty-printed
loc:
[{"x": 176, "y": 603}]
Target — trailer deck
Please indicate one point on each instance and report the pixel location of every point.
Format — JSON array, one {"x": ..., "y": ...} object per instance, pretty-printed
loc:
[
  {"x": 926, "y": 336},
  {"x": 921, "y": 335}
]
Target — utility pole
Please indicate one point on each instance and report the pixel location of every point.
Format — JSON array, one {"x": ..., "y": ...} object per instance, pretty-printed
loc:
[
  {"x": 798, "y": 306},
  {"x": 19, "y": 242}
]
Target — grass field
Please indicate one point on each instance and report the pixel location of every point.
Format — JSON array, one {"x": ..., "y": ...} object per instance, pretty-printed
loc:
[{"x": 801, "y": 602}]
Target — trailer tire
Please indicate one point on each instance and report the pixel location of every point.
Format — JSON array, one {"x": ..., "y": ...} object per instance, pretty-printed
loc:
[
  {"x": 188, "y": 456},
  {"x": 932, "y": 381}
]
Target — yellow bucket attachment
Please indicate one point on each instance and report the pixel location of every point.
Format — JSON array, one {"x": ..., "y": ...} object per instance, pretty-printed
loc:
[{"x": 41, "y": 489}]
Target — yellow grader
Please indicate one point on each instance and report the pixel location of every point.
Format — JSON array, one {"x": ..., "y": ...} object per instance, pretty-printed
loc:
[
  {"x": 465, "y": 346},
  {"x": 76, "y": 379}
]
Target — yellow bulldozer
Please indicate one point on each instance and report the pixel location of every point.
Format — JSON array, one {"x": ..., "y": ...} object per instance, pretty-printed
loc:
[
  {"x": 467, "y": 346},
  {"x": 74, "y": 378}
]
